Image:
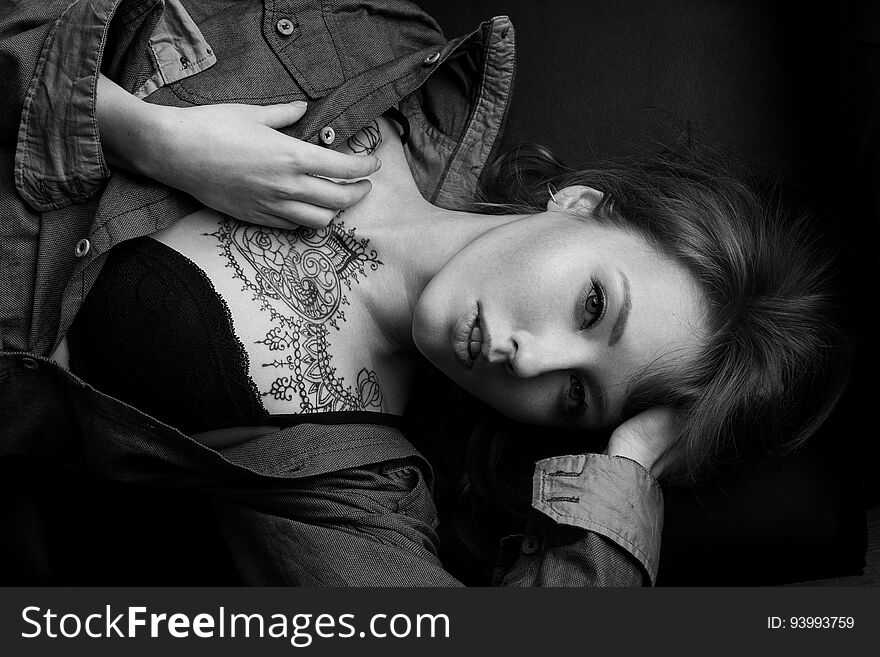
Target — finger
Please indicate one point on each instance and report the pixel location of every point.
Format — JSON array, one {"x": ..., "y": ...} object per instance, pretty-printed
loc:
[
  {"x": 278, "y": 115},
  {"x": 270, "y": 221},
  {"x": 328, "y": 194},
  {"x": 290, "y": 214},
  {"x": 332, "y": 164}
]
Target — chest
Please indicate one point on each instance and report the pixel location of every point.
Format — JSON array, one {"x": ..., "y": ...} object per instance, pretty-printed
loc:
[{"x": 295, "y": 302}]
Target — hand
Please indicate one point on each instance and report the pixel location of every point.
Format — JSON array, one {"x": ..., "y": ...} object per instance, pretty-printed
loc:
[
  {"x": 232, "y": 158},
  {"x": 646, "y": 438}
]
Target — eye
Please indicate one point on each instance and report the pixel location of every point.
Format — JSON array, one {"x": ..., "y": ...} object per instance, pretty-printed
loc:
[
  {"x": 593, "y": 304},
  {"x": 575, "y": 402}
]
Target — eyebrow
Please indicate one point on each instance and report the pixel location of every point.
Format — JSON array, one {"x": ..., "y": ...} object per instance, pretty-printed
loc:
[{"x": 623, "y": 315}]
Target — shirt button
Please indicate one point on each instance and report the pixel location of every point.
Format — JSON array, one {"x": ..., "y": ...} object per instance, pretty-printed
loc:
[
  {"x": 82, "y": 247},
  {"x": 328, "y": 135},
  {"x": 29, "y": 363},
  {"x": 431, "y": 59},
  {"x": 530, "y": 545},
  {"x": 284, "y": 26}
]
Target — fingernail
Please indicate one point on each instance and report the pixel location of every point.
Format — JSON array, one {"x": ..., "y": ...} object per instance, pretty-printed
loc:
[
  {"x": 378, "y": 164},
  {"x": 299, "y": 103}
]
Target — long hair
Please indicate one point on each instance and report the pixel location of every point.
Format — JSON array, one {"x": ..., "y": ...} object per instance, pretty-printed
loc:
[{"x": 774, "y": 360}]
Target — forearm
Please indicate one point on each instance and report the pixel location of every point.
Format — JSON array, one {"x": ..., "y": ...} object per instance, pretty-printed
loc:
[
  {"x": 231, "y": 157},
  {"x": 77, "y": 125},
  {"x": 132, "y": 132}
]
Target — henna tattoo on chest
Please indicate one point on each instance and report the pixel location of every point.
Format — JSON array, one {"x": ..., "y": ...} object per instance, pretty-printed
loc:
[
  {"x": 297, "y": 277},
  {"x": 367, "y": 140}
]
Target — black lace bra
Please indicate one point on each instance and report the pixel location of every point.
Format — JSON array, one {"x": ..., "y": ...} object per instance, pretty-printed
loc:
[{"x": 154, "y": 333}]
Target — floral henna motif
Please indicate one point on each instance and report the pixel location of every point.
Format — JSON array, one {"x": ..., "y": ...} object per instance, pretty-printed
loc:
[
  {"x": 367, "y": 140},
  {"x": 305, "y": 270},
  {"x": 309, "y": 280}
]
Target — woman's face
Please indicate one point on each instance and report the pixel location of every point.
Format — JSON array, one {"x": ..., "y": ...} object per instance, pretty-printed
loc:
[{"x": 548, "y": 318}]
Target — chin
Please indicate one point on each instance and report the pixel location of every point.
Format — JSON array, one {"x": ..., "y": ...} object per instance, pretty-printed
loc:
[
  {"x": 431, "y": 335},
  {"x": 428, "y": 343}
]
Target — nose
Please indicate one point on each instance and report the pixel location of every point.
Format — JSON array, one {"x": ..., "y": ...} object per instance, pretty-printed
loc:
[{"x": 526, "y": 355}]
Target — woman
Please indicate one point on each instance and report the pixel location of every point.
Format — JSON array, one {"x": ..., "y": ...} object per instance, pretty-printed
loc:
[
  {"x": 506, "y": 305},
  {"x": 619, "y": 296},
  {"x": 576, "y": 317}
]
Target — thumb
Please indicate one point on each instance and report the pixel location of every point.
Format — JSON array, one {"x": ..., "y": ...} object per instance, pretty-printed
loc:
[{"x": 281, "y": 114}]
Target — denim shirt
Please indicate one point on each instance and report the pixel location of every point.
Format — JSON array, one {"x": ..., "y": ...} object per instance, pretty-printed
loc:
[{"x": 354, "y": 498}]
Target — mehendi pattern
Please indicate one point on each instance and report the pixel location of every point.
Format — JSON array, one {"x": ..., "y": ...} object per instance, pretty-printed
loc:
[
  {"x": 303, "y": 271},
  {"x": 367, "y": 140}
]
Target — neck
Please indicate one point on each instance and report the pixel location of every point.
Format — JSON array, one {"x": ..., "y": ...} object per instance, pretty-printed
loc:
[{"x": 414, "y": 244}]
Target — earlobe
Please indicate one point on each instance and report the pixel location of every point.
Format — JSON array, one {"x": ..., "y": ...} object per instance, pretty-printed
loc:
[{"x": 575, "y": 198}]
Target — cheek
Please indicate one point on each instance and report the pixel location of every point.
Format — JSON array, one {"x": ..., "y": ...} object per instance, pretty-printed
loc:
[{"x": 504, "y": 259}]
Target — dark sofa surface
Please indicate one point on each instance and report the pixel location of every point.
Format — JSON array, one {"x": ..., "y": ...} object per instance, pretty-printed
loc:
[{"x": 785, "y": 87}]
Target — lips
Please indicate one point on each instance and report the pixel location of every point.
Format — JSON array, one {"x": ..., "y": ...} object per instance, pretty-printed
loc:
[
  {"x": 475, "y": 341},
  {"x": 468, "y": 337}
]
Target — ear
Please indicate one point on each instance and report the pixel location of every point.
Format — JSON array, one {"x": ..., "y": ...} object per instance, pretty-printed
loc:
[{"x": 576, "y": 198}]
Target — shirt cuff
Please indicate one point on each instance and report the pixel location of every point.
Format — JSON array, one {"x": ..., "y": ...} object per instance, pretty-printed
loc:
[
  {"x": 59, "y": 160},
  {"x": 609, "y": 495}
]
